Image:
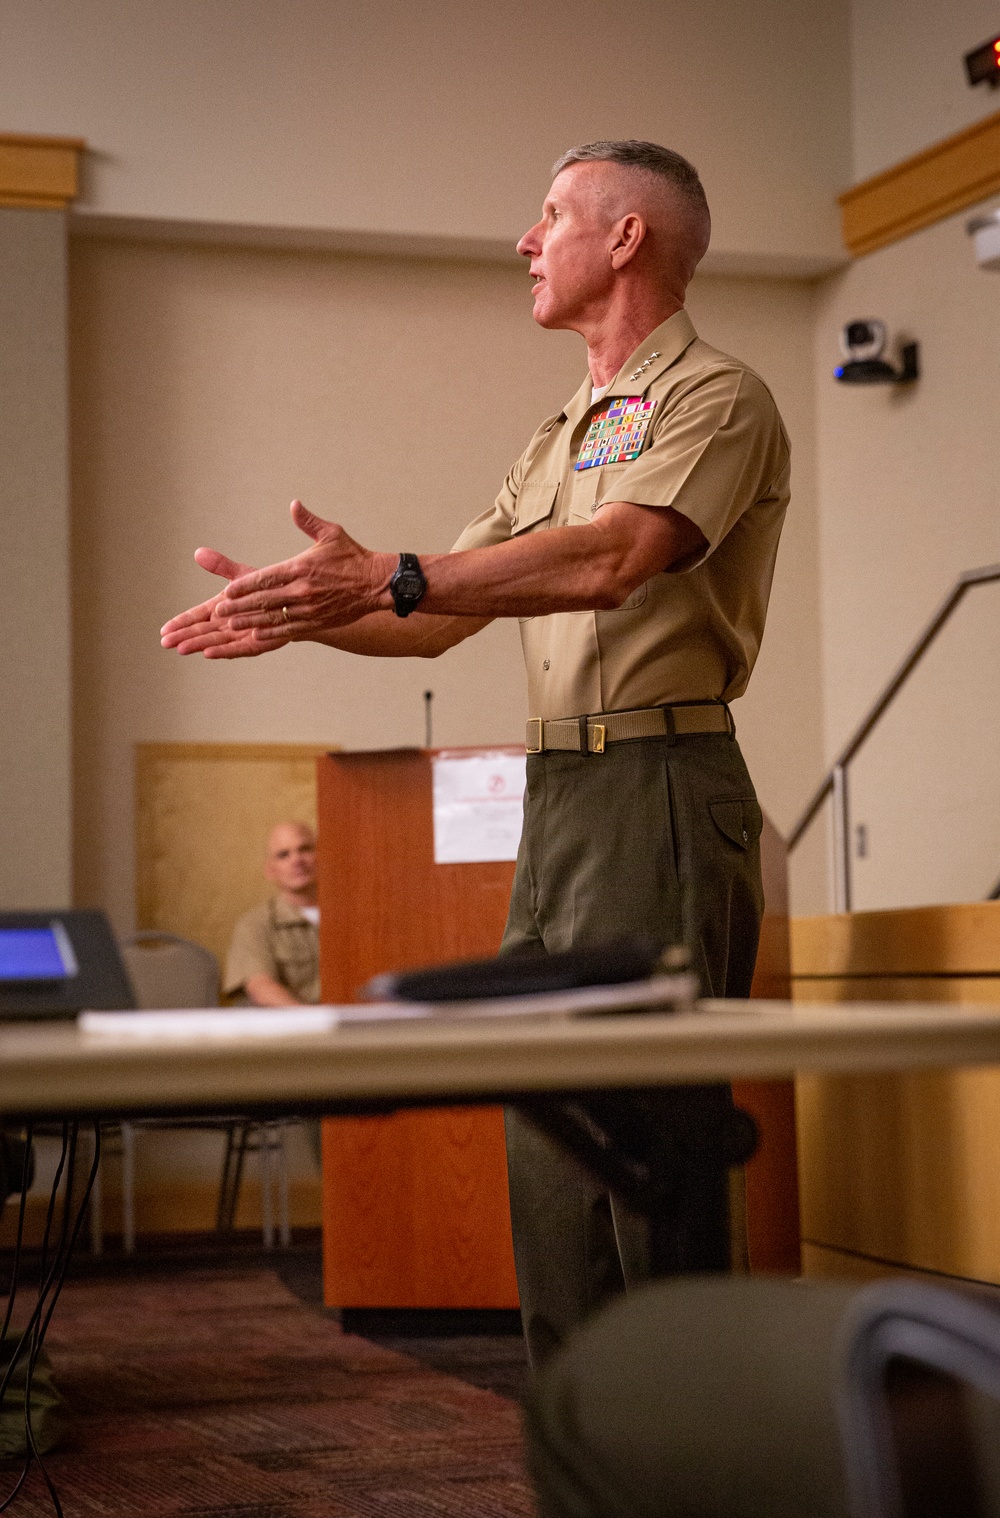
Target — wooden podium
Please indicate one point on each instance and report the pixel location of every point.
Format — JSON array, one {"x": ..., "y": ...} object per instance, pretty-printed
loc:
[{"x": 415, "y": 1209}]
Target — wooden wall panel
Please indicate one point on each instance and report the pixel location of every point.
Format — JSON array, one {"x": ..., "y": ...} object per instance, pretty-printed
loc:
[
  {"x": 962, "y": 939},
  {"x": 40, "y": 173},
  {"x": 901, "y": 1170},
  {"x": 203, "y": 813},
  {"x": 959, "y": 171},
  {"x": 415, "y": 1205}
]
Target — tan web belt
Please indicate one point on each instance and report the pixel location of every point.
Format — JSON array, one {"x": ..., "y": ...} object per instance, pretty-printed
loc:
[{"x": 574, "y": 734}]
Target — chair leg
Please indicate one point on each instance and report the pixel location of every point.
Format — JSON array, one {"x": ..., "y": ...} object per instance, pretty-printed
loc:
[
  {"x": 96, "y": 1209},
  {"x": 284, "y": 1222},
  {"x": 128, "y": 1187},
  {"x": 266, "y": 1199},
  {"x": 226, "y": 1180},
  {"x": 237, "y": 1140}
]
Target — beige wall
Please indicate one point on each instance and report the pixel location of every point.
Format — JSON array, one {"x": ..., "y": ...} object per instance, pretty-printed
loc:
[
  {"x": 209, "y": 386},
  {"x": 908, "y": 500},
  {"x": 780, "y": 719},
  {"x": 909, "y": 86},
  {"x": 435, "y": 120},
  {"x": 206, "y": 380},
  {"x": 34, "y": 525}
]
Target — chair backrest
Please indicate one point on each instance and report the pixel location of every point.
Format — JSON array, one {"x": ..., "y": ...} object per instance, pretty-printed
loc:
[
  {"x": 919, "y": 1402},
  {"x": 167, "y": 971}
]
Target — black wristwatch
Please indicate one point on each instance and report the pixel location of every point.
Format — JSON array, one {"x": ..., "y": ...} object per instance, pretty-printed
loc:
[{"x": 407, "y": 586}]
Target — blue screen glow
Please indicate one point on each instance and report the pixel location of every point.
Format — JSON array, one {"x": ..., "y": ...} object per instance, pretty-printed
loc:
[{"x": 31, "y": 954}]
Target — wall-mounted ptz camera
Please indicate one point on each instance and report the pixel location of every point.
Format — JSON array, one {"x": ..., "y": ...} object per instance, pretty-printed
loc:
[
  {"x": 861, "y": 340},
  {"x": 862, "y": 343}
]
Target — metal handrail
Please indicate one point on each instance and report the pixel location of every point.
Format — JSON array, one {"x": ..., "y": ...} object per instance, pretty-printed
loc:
[{"x": 835, "y": 781}]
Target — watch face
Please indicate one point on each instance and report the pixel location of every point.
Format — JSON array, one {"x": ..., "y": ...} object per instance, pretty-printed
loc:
[{"x": 409, "y": 584}]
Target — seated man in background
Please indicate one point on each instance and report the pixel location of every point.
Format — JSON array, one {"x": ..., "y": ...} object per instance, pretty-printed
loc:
[{"x": 274, "y": 956}]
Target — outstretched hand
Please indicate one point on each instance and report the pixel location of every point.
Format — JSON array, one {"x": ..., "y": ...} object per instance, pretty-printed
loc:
[
  {"x": 329, "y": 585},
  {"x": 201, "y": 631}
]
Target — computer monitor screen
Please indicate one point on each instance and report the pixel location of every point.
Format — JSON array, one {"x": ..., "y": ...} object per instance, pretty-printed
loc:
[
  {"x": 52, "y": 963},
  {"x": 43, "y": 953}
]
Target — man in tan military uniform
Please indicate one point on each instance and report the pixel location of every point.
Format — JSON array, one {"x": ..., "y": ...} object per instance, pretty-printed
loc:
[
  {"x": 635, "y": 541},
  {"x": 274, "y": 955}
]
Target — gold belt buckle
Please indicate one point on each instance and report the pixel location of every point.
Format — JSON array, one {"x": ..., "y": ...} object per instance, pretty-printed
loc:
[
  {"x": 596, "y": 736},
  {"x": 534, "y": 736}
]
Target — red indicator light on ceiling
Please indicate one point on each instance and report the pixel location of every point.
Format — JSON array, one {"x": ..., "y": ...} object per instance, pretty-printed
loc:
[{"x": 983, "y": 63}]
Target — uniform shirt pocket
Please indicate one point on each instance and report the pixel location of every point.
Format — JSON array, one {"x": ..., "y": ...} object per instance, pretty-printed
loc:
[
  {"x": 635, "y": 599},
  {"x": 533, "y": 509},
  {"x": 586, "y": 503},
  {"x": 536, "y": 501},
  {"x": 740, "y": 821}
]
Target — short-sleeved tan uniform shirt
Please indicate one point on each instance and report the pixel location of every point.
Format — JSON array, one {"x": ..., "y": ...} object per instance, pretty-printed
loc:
[
  {"x": 274, "y": 939},
  {"x": 714, "y": 448}
]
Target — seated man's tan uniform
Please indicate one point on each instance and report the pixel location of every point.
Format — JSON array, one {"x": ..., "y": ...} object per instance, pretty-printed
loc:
[{"x": 274, "y": 955}]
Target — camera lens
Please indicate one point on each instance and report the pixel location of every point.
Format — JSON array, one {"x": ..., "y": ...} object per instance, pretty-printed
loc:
[{"x": 859, "y": 333}]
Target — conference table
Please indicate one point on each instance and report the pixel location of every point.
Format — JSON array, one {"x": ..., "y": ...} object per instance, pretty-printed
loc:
[
  {"x": 136, "y": 1066},
  {"x": 562, "y": 1068}
]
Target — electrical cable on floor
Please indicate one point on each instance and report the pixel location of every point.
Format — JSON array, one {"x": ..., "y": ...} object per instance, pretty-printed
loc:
[
  {"x": 32, "y": 1336},
  {"x": 22, "y": 1203}
]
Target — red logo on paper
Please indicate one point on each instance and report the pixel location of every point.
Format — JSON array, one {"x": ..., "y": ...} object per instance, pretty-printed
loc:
[{"x": 496, "y": 783}]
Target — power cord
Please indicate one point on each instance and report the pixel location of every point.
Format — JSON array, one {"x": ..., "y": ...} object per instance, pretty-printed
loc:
[{"x": 51, "y": 1281}]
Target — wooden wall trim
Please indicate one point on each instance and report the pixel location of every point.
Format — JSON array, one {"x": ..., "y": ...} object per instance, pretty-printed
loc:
[
  {"x": 39, "y": 173},
  {"x": 962, "y": 939},
  {"x": 957, "y": 172}
]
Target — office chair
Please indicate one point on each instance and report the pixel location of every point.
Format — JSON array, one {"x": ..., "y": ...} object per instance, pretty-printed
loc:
[
  {"x": 167, "y": 971},
  {"x": 767, "y": 1398}
]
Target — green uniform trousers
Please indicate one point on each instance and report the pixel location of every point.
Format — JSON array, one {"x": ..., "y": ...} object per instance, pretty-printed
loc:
[{"x": 652, "y": 837}]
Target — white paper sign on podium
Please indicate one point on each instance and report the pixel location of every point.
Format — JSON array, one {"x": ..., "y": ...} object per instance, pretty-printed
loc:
[{"x": 478, "y": 800}]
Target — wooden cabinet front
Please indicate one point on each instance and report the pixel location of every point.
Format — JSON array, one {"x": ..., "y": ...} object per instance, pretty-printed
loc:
[{"x": 415, "y": 1209}]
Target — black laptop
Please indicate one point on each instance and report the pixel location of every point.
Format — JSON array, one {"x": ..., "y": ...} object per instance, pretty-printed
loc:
[{"x": 53, "y": 964}]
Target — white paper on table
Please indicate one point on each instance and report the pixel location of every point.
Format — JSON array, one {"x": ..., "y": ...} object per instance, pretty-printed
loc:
[
  {"x": 478, "y": 803},
  {"x": 665, "y": 993},
  {"x": 211, "y": 1022}
]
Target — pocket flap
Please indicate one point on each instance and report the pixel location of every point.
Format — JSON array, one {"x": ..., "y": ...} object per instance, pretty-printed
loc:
[
  {"x": 740, "y": 821},
  {"x": 534, "y": 504}
]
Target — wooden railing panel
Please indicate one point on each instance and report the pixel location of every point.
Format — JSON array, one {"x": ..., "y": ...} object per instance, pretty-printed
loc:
[{"x": 901, "y": 1170}]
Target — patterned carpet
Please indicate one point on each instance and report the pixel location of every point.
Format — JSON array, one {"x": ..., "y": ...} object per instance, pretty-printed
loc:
[{"x": 218, "y": 1395}]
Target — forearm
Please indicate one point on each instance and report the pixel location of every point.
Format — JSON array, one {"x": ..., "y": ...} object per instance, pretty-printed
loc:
[
  {"x": 564, "y": 569},
  {"x": 595, "y": 566},
  {"x": 265, "y": 991},
  {"x": 383, "y": 635}
]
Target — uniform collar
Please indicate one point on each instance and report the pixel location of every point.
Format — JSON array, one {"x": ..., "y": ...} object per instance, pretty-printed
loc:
[
  {"x": 283, "y": 914},
  {"x": 660, "y": 349},
  {"x": 653, "y": 355}
]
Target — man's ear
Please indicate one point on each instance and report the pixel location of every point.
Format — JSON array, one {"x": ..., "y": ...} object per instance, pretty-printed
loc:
[{"x": 627, "y": 238}]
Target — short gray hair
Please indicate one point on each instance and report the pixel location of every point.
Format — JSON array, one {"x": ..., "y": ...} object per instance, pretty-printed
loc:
[{"x": 683, "y": 176}]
